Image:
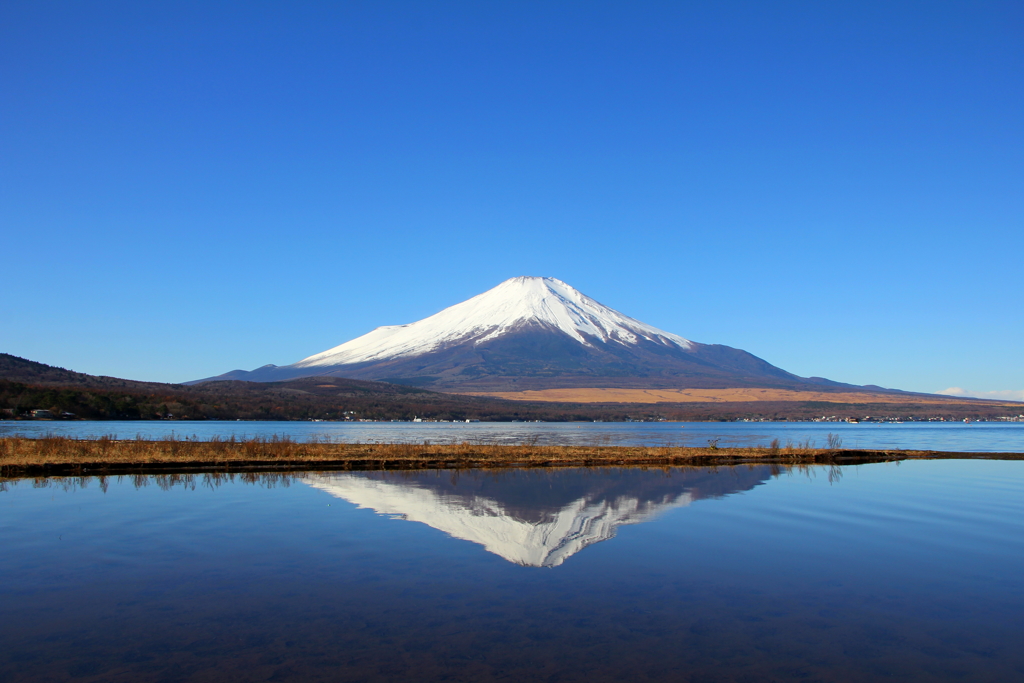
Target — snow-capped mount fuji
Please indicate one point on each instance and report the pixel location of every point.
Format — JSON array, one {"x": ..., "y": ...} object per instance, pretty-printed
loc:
[
  {"x": 512, "y": 306},
  {"x": 532, "y": 333}
]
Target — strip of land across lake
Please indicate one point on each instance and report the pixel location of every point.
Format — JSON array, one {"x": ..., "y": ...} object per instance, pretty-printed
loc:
[{"x": 63, "y": 456}]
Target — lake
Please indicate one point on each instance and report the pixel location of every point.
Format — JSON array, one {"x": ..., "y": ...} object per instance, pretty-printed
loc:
[
  {"x": 943, "y": 436},
  {"x": 909, "y": 571}
]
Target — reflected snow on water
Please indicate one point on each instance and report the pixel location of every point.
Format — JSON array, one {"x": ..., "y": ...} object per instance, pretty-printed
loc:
[{"x": 533, "y": 518}]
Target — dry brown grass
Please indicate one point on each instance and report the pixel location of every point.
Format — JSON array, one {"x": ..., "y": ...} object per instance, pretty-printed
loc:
[
  {"x": 55, "y": 450},
  {"x": 61, "y": 455}
]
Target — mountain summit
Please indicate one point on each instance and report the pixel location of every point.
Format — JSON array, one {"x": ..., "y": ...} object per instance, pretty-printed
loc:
[
  {"x": 532, "y": 333},
  {"x": 515, "y": 305}
]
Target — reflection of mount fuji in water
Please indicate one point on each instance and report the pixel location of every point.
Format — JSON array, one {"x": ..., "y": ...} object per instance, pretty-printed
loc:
[{"x": 536, "y": 518}]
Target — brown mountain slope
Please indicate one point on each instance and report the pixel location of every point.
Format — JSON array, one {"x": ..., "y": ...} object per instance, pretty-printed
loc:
[{"x": 737, "y": 395}]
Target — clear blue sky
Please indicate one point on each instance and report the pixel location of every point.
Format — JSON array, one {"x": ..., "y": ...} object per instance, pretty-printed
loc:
[{"x": 189, "y": 188}]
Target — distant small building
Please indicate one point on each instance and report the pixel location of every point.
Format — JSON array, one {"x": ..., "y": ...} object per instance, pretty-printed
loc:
[{"x": 40, "y": 412}]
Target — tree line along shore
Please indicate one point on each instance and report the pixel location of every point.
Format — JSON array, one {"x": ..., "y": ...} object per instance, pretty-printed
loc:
[
  {"x": 28, "y": 388},
  {"x": 63, "y": 456},
  {"x": 345, "y": 400}
]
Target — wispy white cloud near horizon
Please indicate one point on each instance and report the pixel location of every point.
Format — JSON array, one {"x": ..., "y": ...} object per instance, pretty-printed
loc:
[{"x": 1003, "y": 395}]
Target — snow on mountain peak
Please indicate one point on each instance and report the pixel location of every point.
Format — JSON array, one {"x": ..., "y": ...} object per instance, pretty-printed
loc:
[{"x": 515, "y": 303}]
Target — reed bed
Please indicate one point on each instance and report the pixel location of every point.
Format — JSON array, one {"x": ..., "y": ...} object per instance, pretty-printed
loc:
[{"x": 21, "y": 456}]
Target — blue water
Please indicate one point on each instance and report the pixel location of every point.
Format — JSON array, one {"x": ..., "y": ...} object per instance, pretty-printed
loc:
[
  {"x": 943, "y": 436},
  {"x": 911, "y": 571}
]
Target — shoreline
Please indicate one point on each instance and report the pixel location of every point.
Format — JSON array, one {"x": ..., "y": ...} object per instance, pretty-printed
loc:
[{"x": 62, "y": 457}]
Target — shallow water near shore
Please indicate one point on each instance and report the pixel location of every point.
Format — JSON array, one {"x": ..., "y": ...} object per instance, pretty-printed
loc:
[
  {"x": 979, "y": 437},
  {"x": 910, "y": 571}
]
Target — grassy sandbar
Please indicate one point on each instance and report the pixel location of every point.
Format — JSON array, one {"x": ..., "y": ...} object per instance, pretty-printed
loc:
[{"x": 61, "y": 456}]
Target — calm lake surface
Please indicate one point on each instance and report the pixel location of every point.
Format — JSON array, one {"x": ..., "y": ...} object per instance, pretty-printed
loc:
[
  {"x": 911, "y": 571},
  {"x": 989, "y": 437}
]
